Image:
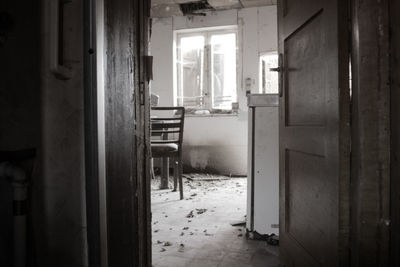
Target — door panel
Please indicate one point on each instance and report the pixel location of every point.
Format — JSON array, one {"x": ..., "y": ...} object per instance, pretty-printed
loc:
[
  {"x": 314, "y": 133},
  {"x": 298, "y": 11},
  {"x": 305, "y": 89},
  {"x": 304, "y": 222}
]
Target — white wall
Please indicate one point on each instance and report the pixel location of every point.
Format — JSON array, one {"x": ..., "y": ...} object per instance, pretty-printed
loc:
[{"x": 216, "y": 143}]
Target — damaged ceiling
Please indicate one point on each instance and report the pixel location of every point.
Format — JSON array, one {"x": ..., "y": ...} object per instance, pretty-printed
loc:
[{"x": 168, "y": 8}]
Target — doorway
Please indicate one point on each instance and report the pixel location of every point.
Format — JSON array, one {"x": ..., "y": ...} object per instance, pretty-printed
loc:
[
  {"x": 294, "y": 157},
  {"x": 210, "y": 64}
]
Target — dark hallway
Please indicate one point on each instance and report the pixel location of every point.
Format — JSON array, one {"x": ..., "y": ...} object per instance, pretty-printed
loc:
[{"x": 76, "y": 79}]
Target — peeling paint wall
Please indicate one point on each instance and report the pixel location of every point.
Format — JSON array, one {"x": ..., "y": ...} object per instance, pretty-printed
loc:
[{"x": 216, "y": 143}]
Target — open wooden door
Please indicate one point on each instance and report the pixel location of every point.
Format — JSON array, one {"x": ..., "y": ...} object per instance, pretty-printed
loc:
[{"x": 314, "y": 133}]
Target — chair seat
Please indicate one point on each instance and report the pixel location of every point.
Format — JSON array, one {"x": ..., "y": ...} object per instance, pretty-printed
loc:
[
  {"x": 166, "y": 126},
  {"x": 158, "y": 150}
]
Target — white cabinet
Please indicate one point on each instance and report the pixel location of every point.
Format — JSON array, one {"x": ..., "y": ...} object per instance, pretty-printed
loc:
[{"x": 263, "y": 164}]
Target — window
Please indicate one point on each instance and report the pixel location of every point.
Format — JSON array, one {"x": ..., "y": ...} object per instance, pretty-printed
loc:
[
  {"x": 268, "y": 79},
  {"x": 206, "y": 69}
]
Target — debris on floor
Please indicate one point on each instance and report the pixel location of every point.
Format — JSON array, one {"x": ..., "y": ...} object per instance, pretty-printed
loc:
[
  {"x": 167, "y": 244},
  {"x": 238, "y": 223},
  {"x": 271, "y": 239},
  {"x": 205, "y": 177},
  {"x": 201, "y": 211},
  {"x": 208, "y": 225}
]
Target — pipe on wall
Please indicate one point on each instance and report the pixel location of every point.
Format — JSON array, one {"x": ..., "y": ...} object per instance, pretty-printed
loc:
[{"x": 19, "y": 181}]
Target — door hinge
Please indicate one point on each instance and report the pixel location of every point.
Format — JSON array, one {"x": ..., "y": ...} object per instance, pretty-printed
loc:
[{"x": 148, "y": 65}]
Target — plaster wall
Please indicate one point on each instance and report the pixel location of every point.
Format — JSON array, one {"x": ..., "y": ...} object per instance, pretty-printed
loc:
[{"x": 216, "y": 143}]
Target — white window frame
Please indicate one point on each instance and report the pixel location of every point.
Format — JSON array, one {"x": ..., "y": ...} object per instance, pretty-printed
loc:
[
  {"x": 260, "y": 86},
  {"x": 207, "y": 80}
]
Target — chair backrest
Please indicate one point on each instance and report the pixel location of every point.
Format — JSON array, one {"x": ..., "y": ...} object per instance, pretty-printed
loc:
[{"x": 167, "y": 126}]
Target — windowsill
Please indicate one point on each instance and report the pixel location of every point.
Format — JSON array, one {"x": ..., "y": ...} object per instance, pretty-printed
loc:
[
  {"x": 193, "y": 112},
  {"x": 212, "y": 115}
]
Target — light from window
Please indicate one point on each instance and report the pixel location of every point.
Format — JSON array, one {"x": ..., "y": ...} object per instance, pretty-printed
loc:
[
  {"x": 268, "y": 79},
  {"x": 223, "y": 70},
  {"x": 206, "y": 70}
]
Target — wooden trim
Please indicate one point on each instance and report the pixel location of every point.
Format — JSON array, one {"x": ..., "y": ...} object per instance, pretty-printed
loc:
[
  {"x": 121, "y": 87},
  {"x": 127, "y": 133},
  {"x": 91, "y": 135},
  {"x": 394, "y": 7},
  {"x": 143, "y": 136},
  {"x": 370, "y": 134},
  {"x": 56, "y": 35}
]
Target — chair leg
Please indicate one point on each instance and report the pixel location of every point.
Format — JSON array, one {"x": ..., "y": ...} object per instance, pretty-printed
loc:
[
  {"x": 176, "y": 174},
  {"x": 152, "y": 169},
  {"x": 180, "y": 177},
  {"x": 165, "y": 173}
]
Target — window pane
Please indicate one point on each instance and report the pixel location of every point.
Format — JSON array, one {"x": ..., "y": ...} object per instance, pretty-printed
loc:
[
  {"x": 268, "y": 79},
  {"x": 190, "y": 72},
  {"x": 223, "y": 70}
]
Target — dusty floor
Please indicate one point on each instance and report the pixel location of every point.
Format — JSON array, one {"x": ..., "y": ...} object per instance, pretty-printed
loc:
[{"x": 197, "y": 231}]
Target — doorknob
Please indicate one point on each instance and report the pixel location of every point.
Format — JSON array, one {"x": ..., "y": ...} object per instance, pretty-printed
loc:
[{"x": 278, "y": 69}]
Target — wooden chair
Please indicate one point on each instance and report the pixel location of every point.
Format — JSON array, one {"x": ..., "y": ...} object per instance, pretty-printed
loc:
[{"x": 167, "y": 139}]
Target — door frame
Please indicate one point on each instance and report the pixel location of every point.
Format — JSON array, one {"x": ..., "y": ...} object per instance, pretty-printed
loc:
[
  {"x": 92, "y": 148},
  {"x": 370, "y": 174},
  {"x": 91, "y": 134},
  {"x": 105, "y": 198},
  {"x": 394, "y": 7}
]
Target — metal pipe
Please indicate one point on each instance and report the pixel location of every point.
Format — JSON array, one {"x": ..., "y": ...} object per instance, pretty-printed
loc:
[{"x": 19, "y": 182}]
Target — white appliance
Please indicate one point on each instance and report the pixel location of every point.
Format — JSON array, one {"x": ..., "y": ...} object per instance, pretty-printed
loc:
[{"x": 263, "y": 164}]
